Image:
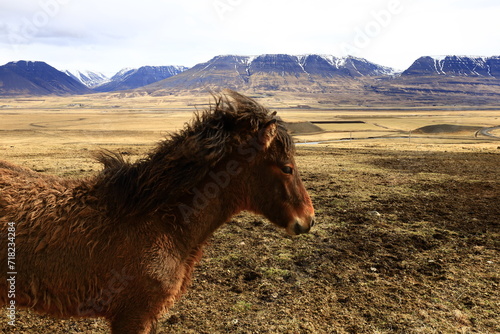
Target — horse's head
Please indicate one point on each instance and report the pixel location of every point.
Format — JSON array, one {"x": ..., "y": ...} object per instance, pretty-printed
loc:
[
  {"x": 275, "y": 187},
  {"x": 239, "y": 142}
]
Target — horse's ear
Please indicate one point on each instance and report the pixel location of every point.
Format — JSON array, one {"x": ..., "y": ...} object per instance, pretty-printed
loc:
[{"x": 268, "y": 133}]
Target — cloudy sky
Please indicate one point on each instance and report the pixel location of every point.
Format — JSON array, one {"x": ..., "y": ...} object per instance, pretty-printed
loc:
[{"x": 108, "y": 35}]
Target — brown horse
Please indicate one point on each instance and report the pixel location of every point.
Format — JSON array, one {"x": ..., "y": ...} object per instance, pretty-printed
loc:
[{"x": 122, "y": 244}]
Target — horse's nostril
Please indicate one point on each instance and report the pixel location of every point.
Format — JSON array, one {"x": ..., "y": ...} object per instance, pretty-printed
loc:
[
  {"x": 312, "y": 222},
  {"x": 297, "y": 228}
]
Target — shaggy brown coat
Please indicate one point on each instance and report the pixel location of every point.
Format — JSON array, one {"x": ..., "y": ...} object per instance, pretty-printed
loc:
[{"x": 122, "y": 244}]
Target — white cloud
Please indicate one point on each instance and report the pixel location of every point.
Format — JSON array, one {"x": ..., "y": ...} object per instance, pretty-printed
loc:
[{"x": 109, "y": 35}]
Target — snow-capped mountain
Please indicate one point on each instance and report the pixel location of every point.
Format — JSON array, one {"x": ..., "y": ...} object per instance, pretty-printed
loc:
[
  {"x": 446, "y": 81},
  {"x": 350, "y": 66},
  {"x": 131, "y": 78},
  {"x": 472, "y": 66},
  {"x": 123, "y": 73},
  {"x": 88, "y": 78},
  {"x": 312, "y": 64},
  {"x": 271, "y": 72}
]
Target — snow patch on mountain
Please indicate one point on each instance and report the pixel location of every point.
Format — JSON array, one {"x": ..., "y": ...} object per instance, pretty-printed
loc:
[{"x": 88, "y": 78}]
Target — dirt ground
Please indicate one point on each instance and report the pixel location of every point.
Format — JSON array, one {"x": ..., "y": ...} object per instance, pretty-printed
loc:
[{"x": 406, "y": 241}]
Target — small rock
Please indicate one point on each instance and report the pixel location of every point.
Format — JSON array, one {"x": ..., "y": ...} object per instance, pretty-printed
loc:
[
  {"x": 173, "y": 319},
  {"x": 374, "y": 213}
]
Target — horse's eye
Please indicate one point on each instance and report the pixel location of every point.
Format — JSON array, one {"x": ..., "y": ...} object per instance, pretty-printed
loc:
[{"x": 287, "y": 170}]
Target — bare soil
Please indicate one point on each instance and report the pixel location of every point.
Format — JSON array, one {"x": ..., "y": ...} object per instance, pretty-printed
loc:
[{"x": 406, "y": 241}]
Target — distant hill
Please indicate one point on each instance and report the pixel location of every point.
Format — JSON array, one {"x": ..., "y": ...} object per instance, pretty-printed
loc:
[
  {"x": 37, "y": 78},
  {"x": 135, "y": 78},
  {"x": 446, "y": 128},
  {"x": 306, "y": 73}
]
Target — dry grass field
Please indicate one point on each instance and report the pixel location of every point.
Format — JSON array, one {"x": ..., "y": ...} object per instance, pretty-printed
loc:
[{"x": 407, "y": 237}]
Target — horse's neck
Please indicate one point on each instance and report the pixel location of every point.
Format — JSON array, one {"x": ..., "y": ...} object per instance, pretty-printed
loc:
[{"x": 211, "y": 204}]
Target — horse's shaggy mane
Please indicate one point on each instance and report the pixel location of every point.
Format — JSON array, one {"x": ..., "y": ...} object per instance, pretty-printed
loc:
[{"x": 180, "y": 162}]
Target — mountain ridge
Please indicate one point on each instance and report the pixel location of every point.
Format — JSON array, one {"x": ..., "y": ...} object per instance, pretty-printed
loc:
[
  {"x": 430, "y": 80},
  {"x": 37, "y": 78},
  {"x": 270, "y": 72},
  {"x": 132, "y": 78},
  {"x": 453, "y": 65}
]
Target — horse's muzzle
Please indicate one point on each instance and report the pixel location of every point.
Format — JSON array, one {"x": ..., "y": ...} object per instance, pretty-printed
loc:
[{"x": 301, "y": 226}]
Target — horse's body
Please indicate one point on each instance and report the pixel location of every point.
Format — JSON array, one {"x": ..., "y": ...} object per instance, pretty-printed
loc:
[{"x": 122, "y": 245}]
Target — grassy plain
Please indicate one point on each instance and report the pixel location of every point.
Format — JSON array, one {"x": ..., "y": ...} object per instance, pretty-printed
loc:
[{"x": 407, "y": 239}]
